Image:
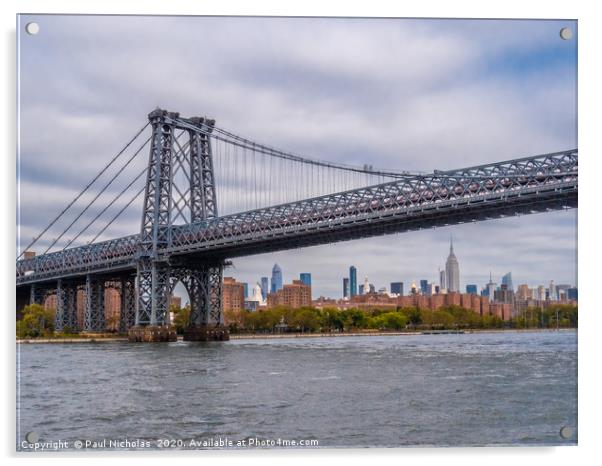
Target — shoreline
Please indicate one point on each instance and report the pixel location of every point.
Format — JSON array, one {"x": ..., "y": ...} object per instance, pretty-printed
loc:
[{"x": 275, "y": 336}]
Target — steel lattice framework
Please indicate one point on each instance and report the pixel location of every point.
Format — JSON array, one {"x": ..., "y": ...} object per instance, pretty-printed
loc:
[{"x": 194, "y": 252}]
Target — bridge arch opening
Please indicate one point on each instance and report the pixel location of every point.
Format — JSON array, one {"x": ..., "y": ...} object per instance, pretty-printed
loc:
[{"x": 179, "y": 305}]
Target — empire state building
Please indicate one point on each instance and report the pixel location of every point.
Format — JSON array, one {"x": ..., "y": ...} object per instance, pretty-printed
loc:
[{"x": 452, "y": 270}]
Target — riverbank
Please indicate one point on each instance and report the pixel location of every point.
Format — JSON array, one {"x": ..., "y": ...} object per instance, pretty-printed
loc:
[{"x": 271, "y": 336}]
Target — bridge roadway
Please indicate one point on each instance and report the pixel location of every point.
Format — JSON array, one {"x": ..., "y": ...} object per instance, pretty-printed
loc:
[{"x": 515, "y": 187}]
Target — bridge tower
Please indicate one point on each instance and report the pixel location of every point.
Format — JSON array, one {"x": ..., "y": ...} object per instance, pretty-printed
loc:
[{"x": 166, "y": 202}]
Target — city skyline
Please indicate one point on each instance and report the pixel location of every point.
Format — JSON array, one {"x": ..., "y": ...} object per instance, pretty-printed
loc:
[
  {"x": 422, "y": 95},
  {"x": 288, "y": 274}
]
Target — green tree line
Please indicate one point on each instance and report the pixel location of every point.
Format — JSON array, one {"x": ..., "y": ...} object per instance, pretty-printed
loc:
[
  {"x": 39, "y": 322},
  {"x": 310, "y": 319}
]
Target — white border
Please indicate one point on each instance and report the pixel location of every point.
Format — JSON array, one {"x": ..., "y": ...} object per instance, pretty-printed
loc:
[{"x": 590, "y": 38}]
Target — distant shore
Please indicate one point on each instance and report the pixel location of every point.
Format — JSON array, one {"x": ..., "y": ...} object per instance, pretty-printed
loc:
[{"x": 269, "y": 336}]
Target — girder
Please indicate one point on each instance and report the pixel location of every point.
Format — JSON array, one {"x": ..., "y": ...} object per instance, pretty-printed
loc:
[
  {"x": 94, "y": 310},
  {"x": 548, "y": 181},
  {"x": 127, "y": 315}
]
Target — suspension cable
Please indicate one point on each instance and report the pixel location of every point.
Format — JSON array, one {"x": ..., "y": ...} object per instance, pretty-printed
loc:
[
  {"x": 107, "y": 207},
  {"x": 118, "y": 214},
  {"x": 36, "y": 239},
  {"x": 106, "y": 186}
]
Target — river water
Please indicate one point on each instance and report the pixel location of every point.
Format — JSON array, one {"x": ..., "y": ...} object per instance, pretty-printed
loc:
[{"x": 511, "y": 388}]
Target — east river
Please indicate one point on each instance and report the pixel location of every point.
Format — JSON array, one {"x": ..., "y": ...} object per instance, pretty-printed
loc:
[{"x": 509, "y": 388}]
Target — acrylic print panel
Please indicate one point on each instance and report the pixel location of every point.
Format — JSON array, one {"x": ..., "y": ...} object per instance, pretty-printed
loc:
[{"x": 298, "y": 233}]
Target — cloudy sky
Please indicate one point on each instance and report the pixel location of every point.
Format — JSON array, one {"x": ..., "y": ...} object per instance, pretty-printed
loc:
[{"x": 398, "y": 94}]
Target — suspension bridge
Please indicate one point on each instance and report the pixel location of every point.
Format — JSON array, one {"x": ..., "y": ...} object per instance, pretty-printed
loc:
[{"x": 209, "y": 195}]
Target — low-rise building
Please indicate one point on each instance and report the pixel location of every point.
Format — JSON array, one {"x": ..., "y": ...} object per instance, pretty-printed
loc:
[{"x": 294, "y": 295}]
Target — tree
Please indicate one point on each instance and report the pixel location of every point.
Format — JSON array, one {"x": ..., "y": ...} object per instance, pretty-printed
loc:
[
  {"x": 181, "y": 319},
  {"x": 36, "y": 322},
  {"x": 354, "y": 318},
  {"x": 414, "y": 315},
  {"x": 390, "y": 321},
  {"x": 306, "y": 319},
  {"x": 332, "y": 319}
]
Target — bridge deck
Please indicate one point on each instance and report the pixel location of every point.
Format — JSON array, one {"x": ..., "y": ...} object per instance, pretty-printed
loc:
[{"x": 521, "y": 186}]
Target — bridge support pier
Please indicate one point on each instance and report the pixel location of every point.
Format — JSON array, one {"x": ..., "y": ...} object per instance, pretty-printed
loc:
[
  {"x": 66, "y": 306},
  {"x": 127, "y": 316},
  {"x": 37, "y": 294},
  {"x": 94, "y": 312},
  {"x": 152, "y": 312},
  {"x": 206, "y": 316},
  {"x": 152, "y": 333}
]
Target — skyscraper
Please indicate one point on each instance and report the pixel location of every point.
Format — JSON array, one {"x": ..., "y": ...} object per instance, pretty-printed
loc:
[
  {"x": 264, "y": 287},
  {"x": 397, "y": 288},
  {"x": 305, "y": 278},
  {"x": 452, "y": 270},
  {"x": 553, "y": 292},
  {"x": 423, "y": 286},
  {"x": 246, "y": 287},
  {"x": 491, "y": 288},
  {"x": 345, "y": 287},
  {"x": 441, "y": 279},
  {"x": 352, "y": 281},
  {"x": 524, "y": 292},
  {"x": 507, "y": 280},
  {"x": 541, "y": 293},
  {"x": 276, "y": 278},
  {"x": 471, "y": 289}
]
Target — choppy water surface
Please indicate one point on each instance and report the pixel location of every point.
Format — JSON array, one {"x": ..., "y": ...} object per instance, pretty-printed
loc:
[{"x": 468, "y": 389}]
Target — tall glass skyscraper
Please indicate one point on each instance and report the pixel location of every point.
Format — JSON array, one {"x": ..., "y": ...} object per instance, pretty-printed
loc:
[
  {"x": 471, "y": 289},
  {"x": 345, "y": 287},
  {"x": 507, "y": 280},
  {"x": 276, "y": 278},
  {"x": 352, "y": 281},
  {"x": 423, "y": 286},
  {"x": 452, "y": 270},
  {"x": 305, "y": 278}
]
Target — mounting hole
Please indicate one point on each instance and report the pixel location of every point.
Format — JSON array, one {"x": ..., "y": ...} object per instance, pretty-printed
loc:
[
  {"x": 566, "y": 34},
  {"x": 566, "y": 432},
  {"x": 32, "y": 437},
  {"x": 32, "y": 28}
]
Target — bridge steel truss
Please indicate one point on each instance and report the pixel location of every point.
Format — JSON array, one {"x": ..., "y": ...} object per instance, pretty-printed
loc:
[
  {"x": 519, "y": 186},
  {"x": 194, "y": 253}
]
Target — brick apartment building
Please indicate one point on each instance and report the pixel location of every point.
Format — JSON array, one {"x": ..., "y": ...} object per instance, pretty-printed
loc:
[
  {"x": 233, "y": 295},
  {"x": 295, "y": 295}
]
